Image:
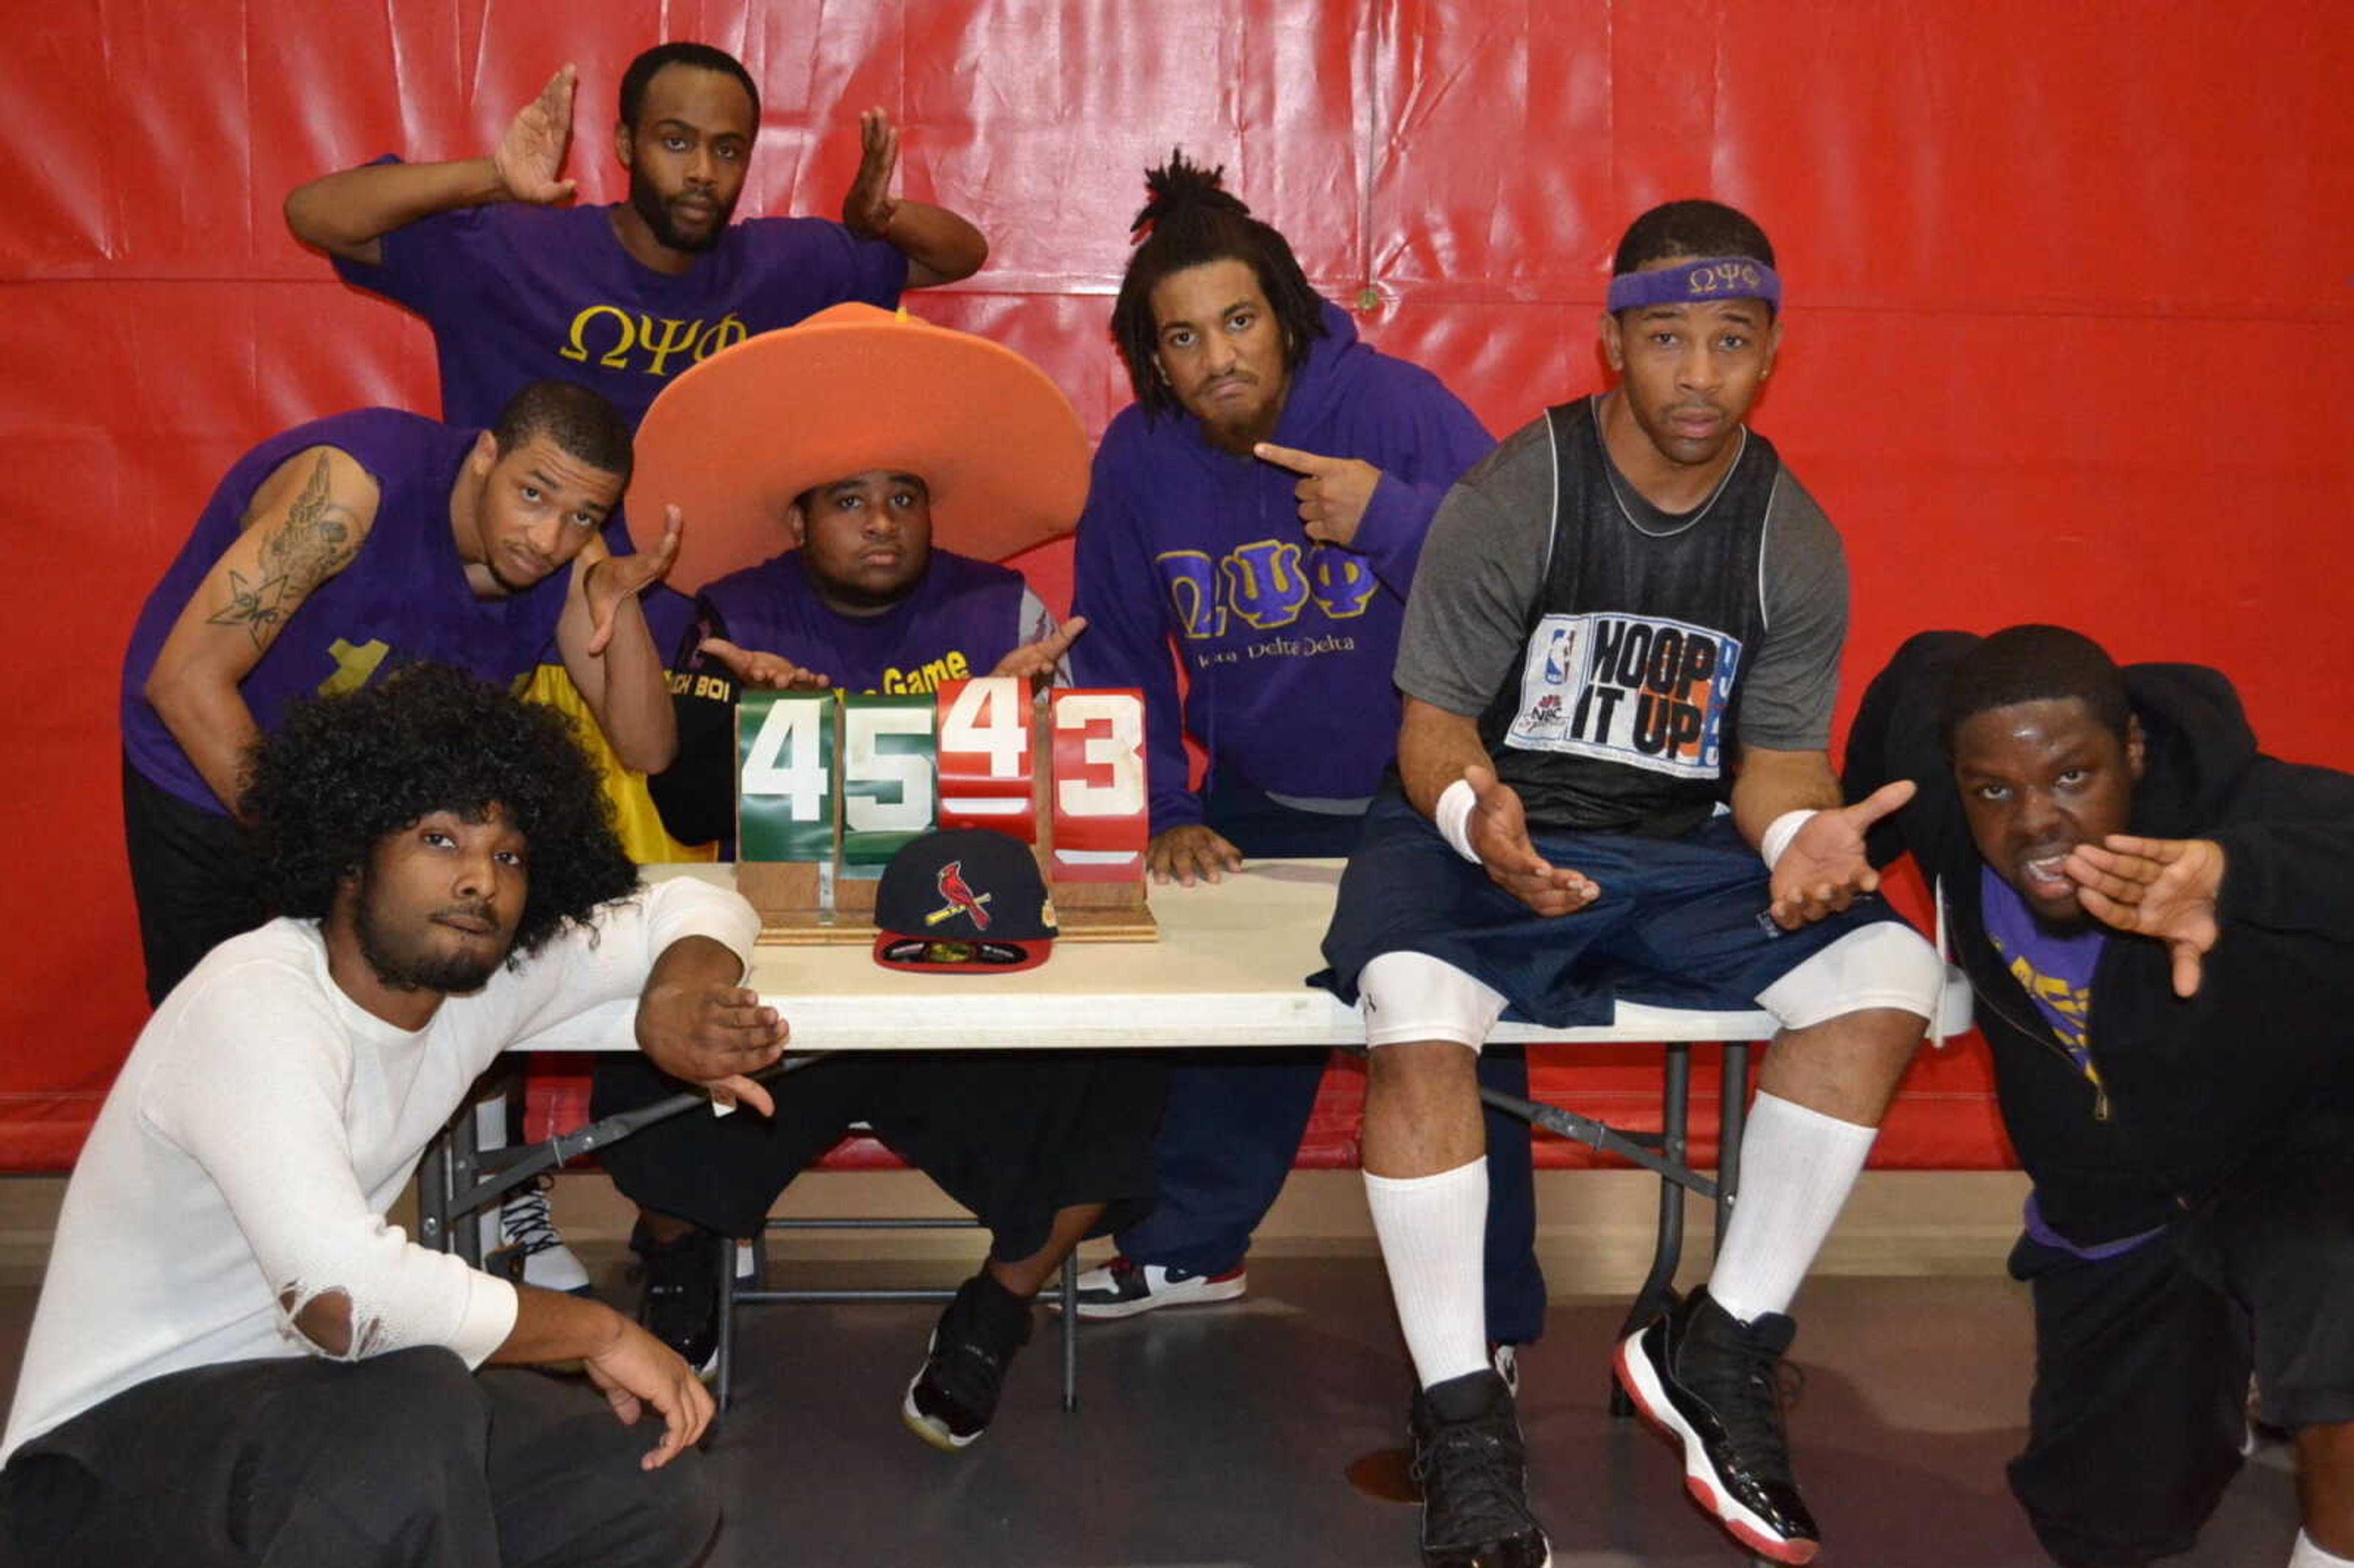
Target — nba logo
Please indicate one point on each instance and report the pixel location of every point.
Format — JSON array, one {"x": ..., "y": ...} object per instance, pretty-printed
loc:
[{"x": 1556, "y": 664}]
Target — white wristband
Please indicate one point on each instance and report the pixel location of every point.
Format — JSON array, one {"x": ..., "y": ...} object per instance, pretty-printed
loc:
[
  {"x": 1779, "y": 833},
  {"x": 1452, "y": 817}
]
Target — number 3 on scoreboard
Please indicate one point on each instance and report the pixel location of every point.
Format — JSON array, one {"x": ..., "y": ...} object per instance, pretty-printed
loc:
[
  {"x": 1100, "y": 815},
  {"x": 1112, "y": 751}
]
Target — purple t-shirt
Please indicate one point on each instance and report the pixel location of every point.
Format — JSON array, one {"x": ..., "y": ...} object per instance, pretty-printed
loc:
[
  {"x": 403, "y": 599},
  {"x": 516, "y": 294},
  {"x": 962, "y": 617},
  {"x": 2054, "y": 968},
  {"x": 1287, "y": 644}
]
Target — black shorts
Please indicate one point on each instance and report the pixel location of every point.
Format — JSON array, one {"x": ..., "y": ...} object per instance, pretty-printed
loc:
[
  {"x": 1681, "y": 922},
  {"x": 1013, "y": 1136},
  {"x": 196, "y": 882},
  {"x": 2142, "y": 1362}
]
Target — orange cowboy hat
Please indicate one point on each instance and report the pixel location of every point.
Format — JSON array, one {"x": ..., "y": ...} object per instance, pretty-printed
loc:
[{"x": 731, "y": 442}]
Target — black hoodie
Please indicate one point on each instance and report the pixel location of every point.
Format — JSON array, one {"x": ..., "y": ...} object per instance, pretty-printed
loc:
[{"x": 2195, "y": 1086}]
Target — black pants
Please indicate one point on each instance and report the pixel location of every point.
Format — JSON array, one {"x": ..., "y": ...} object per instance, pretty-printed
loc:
[
  {"x": 2142, "y": 1362},
  {"x": 1014, "y": 1136},
  {"x": 398, "y": 1461},
  {"x": 196, "y": 884}
]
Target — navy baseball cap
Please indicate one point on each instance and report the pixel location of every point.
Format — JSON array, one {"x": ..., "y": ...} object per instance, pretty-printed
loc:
[{"x": 963, "y": 901}]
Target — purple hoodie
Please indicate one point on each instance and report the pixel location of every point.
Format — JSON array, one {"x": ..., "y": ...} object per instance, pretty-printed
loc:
[{"x": 1287, "y": 644}]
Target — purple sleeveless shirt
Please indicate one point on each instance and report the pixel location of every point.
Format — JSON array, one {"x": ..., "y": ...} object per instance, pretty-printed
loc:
[
  {"x": 404, "y": 600},
  {"x": 962, "y": 618}
]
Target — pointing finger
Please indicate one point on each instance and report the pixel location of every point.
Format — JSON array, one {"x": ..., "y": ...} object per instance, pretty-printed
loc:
[
  {"x": 1295, "y": 460},
  {"x": 1881, "y": 801}
]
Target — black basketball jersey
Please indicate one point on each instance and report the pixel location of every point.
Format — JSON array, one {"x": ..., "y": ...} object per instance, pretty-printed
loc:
[{"x": 1629, "y": 683}]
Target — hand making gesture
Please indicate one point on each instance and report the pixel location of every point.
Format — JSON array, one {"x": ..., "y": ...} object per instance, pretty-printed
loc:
[
  {"x": 1037, "y": 662},
  {"x": 614, "y": 579},
  {"x": 763, "y": 672},
  {"x": 696, "y": 1023},
  {"x": 530, "y": 156},
  {"x": 2164, "y": 888},
  {"x": 1499, "y": 831},
  {"x": 869, "y": 206},
  {"x": 1333, "y": 494},
  {"x": 1824, "y": 868}
]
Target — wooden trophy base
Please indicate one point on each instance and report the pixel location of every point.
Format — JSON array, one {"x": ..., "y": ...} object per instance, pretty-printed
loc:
[{"x": 786, "y": 895}]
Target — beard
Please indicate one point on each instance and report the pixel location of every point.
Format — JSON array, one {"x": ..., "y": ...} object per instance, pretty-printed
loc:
[
  {"x": 648, "y": 205},
  {"x": 404, "y": 962}
]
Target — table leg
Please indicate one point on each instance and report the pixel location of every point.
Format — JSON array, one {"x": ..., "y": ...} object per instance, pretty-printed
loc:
[
  {"x": 433, "y": 1190},
  {"x": 462, "y": 1150},
  {"x": 1731, "y": 1118},
  {"x": 1657, "y": 1292}
]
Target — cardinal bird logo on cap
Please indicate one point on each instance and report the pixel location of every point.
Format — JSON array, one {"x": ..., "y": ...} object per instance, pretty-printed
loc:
[{"x": 961, "y": 898}]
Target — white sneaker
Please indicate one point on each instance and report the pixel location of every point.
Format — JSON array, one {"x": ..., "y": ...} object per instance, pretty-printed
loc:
[
  {"x": 521, "y": 1228},
  {"x": 1122, "y": 1289}
]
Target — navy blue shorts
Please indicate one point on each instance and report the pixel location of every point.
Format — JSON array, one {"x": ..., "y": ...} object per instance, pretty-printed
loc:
[{"x": 1680, "y": 922}]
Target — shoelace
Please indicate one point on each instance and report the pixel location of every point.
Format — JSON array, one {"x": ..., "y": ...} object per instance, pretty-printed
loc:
[
  {"x": 1472, "y": 1478},
  {"x": 1749, "y": 1388},
  {"x": 525, "y": 1221}
]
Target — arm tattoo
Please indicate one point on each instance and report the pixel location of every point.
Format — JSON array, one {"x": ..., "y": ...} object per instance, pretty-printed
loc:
[
  {"x": 316, "y": 540},
  {"x": 255, "y": 606}
]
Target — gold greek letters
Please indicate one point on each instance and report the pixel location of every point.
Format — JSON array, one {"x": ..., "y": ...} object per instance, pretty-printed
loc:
[
  {"x": 676, "y": 335},
  {"x": 663, "y": 339},
  {"x": 725, "y": 332},
  {"x": 617, "y": 357}
]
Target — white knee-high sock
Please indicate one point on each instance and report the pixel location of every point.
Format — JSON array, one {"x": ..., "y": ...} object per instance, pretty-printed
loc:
[
  {"x": 1433, "y": 1231},
  {"x": 2308, "y": 1555},
  {"x": 1798, "y": 1167}
]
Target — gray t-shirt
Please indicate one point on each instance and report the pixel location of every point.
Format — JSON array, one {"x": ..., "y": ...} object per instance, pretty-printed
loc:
[{"x": 1483, "y": 567}]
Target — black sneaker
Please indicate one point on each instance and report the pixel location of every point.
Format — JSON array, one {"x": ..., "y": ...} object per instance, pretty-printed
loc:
[
  {"x": 954, "y": 1394},
  {"x": 1474, "y": 1491},
  {"x": 1708, "y": 1381},
  {"x": 680, "y": 1302}
]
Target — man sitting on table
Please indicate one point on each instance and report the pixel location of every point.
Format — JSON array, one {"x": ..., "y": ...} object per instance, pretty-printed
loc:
[
  {"x": 1046, "y": 1150},
  {"x": 1619, "y": 663},
  {"x": 2158, "y": 921},
  {"x": 236, "y": 1358}
]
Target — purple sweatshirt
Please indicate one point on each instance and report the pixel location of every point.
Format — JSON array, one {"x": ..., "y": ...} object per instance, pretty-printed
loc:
[
  {"x": 1287, "y": 644},
  {"x": 404, "y": 598}
]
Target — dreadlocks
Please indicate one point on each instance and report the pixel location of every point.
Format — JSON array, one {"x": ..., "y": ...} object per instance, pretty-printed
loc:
[{"x": 1192, "y": 220}]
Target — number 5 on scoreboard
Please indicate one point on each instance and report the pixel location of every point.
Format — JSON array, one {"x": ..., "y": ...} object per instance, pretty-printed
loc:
[
  {"x": 784, "y": 803},
  {"x": 1101, "y": 813}
]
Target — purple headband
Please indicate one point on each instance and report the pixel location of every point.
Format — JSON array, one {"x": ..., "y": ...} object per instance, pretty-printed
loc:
[{"x": 1710, "y": 277}]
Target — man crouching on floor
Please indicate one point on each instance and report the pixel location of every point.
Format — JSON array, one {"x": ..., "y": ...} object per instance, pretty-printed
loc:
[{"x": 236, "y": 1358}]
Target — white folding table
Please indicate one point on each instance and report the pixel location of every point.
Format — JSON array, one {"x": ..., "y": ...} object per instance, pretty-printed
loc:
[{"x": 1228, "y": 970}]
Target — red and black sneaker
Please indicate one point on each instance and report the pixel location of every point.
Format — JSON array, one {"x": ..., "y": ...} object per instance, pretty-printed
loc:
[{"x": 1708, "y": 1380}]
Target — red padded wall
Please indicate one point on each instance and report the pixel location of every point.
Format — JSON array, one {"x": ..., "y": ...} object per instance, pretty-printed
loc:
[{"x": 2070, "y": 286}]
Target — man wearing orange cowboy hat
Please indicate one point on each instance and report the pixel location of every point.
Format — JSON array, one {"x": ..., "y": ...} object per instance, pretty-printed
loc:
[{"x": 849, "y": 439}]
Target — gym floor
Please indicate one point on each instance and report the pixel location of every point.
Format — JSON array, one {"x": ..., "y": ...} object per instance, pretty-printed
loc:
[{"x": 1226, "y": 1435}]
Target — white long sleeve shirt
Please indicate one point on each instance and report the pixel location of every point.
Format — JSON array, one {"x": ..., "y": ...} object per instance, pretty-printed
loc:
[{"x": 260, "y": 1130}]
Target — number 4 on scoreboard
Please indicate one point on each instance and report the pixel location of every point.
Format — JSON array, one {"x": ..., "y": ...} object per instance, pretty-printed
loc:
[
  {"x": 785, "y": 808},
  {"x": 987, "y": 762},
  {"x": 1101, "y": 816}
]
